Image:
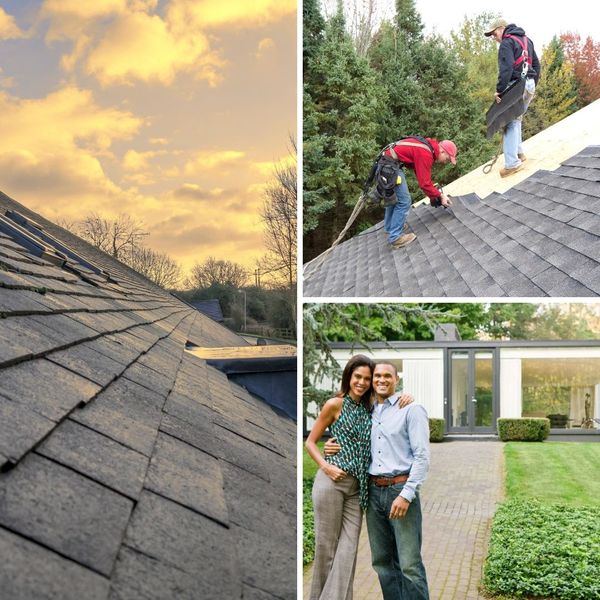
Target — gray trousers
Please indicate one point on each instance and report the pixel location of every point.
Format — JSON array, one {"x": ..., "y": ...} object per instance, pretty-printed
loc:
[{"x": 338, "y": 520}]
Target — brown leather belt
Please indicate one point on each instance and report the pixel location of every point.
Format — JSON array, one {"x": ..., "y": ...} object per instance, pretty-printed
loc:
[{"x": 385, "y": 481}]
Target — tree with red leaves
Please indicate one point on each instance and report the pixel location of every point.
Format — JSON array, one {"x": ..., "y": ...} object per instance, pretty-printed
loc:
[{"x": 585, "y": 59}]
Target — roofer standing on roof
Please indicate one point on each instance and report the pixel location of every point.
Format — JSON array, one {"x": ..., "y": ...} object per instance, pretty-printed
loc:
[
  {"x": 418, "y": 154},
  {"x": 516, "y": 59}
]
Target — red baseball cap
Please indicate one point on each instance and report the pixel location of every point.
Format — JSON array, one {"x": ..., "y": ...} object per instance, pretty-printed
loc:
[{"x": 450, "y": 148}]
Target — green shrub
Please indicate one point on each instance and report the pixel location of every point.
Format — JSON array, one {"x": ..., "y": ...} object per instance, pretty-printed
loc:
[
  {"x": 544, "y": 552},
  {"x": 436, "y": 430},
  {"x": 308, "y": 529},
  {"x": 523, "y": 430}
]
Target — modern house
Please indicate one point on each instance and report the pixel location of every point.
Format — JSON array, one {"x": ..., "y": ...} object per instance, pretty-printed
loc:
[
  {"x": 470, "y": 384},
  {"x": 535, "y": 233},
  {"x": 144, "y": 448}
]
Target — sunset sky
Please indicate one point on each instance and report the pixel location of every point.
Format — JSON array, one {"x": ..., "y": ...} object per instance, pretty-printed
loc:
[{"x": 172, "y": 111}]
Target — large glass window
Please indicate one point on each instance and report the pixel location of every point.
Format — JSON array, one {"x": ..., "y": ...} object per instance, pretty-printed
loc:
[{"x": 566, "y": 390}]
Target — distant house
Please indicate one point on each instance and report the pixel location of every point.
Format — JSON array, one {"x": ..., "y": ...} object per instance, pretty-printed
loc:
[
  {"x": 129, "y": 467},
  {"x": 535, "y": 233},
  {"x": 470, "y": 384},
  {"x": 210, "y": 308}
]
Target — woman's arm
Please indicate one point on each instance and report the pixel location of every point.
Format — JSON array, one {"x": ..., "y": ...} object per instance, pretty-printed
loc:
[{"x": 329, "y": 413}]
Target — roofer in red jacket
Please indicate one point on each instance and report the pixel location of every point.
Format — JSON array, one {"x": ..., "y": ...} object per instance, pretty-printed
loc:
[
  {"x": 516, "y": 60},
  {"x": 418, "y": 154}
]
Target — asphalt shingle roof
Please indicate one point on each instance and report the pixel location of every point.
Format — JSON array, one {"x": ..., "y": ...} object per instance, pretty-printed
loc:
[
  {"x": 539, "y": 238},
  {"x": 129, "y": 468}
]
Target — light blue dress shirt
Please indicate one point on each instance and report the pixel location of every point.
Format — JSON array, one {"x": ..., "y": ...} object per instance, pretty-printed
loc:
[{"x": 400, "y": 443}]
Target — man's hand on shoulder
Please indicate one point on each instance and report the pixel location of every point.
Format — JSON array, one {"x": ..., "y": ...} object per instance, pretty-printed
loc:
[{"x": 399, "y": 508}]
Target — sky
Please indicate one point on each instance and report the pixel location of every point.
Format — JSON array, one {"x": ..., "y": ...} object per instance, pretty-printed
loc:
[
  {"x": 171, "y": 111},
  {"x": 541, "y": 19}
]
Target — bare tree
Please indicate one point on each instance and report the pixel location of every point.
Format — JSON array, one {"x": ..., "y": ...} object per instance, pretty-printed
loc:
[
  {"x": 156, "y": 266},
  {"x": 212, "y": 271},
  {"x": 123, "y": 239},
  {"x": 280, "y": 218},
  {"x": 119, "y": 237},
  {"x": 363, "y": 18}
]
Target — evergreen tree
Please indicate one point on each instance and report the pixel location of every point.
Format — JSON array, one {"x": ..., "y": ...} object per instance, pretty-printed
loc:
[
  {"x": 556, "y": 92},
  {"x": 408, "y": 21},
  {"x": 342, "y": 99},
  {"x": 313, "y": 26},
  {"x": 429, "y": 93}
]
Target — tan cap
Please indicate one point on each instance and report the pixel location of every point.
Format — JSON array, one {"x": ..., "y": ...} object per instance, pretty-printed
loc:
[{"x": 494, "y": 25}]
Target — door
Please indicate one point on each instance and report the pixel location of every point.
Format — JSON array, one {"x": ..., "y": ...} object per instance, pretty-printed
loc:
[{"x": 471, "y": 391}]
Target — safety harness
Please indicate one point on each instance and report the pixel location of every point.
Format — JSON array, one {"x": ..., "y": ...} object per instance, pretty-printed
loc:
[
  {"x": 385, "y": 172},
  {"x": 525, "y": 59}
]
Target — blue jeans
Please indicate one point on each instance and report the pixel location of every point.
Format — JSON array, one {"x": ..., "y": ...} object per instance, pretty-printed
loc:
[
  {"x": 513, "y": 142},
  {"x": 395, "y": 216},
  {"x": 396, "y": 546}
]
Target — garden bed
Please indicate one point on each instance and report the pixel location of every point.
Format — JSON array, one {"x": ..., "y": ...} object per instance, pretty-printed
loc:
[{"x": 545, "y": 540}]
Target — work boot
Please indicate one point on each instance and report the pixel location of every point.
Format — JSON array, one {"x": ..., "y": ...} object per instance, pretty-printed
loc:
[
  {"x": 522, "y": 157},
  {"x": 404, "y": 240},
  {"x": 506, "y": 172}
]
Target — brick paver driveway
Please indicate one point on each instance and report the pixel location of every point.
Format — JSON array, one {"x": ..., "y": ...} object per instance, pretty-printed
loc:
[{"x": 459, "y": 499}]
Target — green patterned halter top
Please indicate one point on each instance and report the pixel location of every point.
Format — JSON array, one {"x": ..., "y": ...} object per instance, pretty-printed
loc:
[{"x": 353, "y": 433}]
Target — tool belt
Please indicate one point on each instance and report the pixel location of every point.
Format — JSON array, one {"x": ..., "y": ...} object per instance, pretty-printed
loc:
[{"x": 381, "y": 481}]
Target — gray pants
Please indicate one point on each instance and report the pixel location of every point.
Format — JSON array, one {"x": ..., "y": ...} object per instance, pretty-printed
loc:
[{"x": 338, "y": 519}]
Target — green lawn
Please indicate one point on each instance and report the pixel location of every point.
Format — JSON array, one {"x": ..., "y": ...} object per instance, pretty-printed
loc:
[
  {"x": 554, "y": 472},
  {"x": 309, "y": 470},
  {"x": 545, "y": 539}
]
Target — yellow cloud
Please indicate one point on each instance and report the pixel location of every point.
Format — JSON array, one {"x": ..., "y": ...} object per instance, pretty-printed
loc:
[
  {"x": 267, "y": 168},
  {"x": 233, "y": 13},
  {"x": 141, "y": 46},
  {"x": 264, "y": 46},
  {"x": 50, "y": 148},
  {"x": 69, "y": 18},
  {"x": 8, "y": 27},
  {"x": 138, "y": 161},
  {"x": 206, "y": 159}
]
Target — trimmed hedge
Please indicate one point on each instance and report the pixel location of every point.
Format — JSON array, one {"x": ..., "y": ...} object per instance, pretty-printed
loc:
[
  {"x": 523, "y": 430},
  {"x": 544, "y": 551},
  {"x": 436, "y": 430}
]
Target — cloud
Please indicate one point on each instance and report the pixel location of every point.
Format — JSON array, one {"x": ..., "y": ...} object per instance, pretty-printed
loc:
[
  {"x": 207, "y": 159},
  {"x": 138, "y": 161},
  {"x": 264, "y": 46},
  {"x": 267, "y": 168},
  {"x": 9, "y": 30},
  {"x": 195, "y": 192},
  {"x": 50, "y": 147},
  {"x": 68, "y": 19},
  {"x": 122, "y": 41},
  {"x": 232, "y": 13},
  {"x": 139, "y": 46}
]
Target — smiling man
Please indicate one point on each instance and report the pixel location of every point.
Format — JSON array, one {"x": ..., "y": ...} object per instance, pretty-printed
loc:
[{"x": 399, "y": 464}]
